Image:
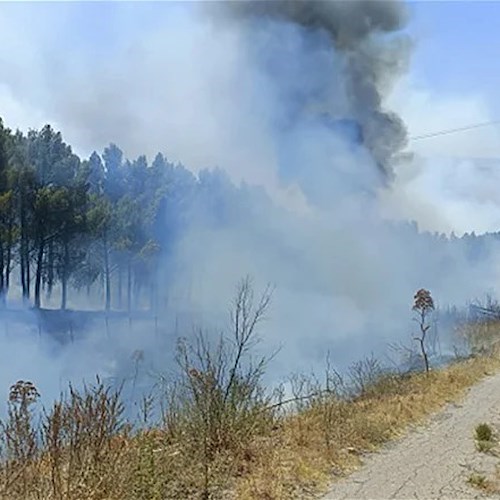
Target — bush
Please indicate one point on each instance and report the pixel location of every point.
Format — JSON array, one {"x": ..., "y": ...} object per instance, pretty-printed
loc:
[
  {"x": 218, "y": 404},
  {"x": 484, "y": 432}
]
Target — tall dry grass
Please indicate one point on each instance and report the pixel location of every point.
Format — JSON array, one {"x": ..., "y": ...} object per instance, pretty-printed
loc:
[{"x": 221, "y": 434}]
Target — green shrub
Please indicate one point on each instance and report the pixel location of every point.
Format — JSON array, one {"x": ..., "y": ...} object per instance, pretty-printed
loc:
[{"x": 484, "y": 432}]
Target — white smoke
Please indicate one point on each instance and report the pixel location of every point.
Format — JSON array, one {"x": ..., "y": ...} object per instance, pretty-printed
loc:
[
  {"x": 449, "y": 185},
  {"x": 209, "y": 93}
]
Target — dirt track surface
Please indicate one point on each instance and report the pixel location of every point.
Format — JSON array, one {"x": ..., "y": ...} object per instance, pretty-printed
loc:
[{"x": 434, "y": 460}]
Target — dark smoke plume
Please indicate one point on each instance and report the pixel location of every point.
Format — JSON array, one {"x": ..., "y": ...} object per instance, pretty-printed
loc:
[{"x": 369, "y": 36}]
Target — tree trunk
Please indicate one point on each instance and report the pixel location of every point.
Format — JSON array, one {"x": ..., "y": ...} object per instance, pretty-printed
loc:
[
  {"x": 64, "y": 276},
  {"x": 22, "y": 261},
  {"x": 120, "y": 287},
  {"x": 8, "y": 264},
  {"x": 107, "y": 276},
  {"x": 64, "y": 293},
  {"x": 50, "y": 272},
  {"x": 38, "y": 275},
  {"x": 2, "y": 276},
  {"x": 424, "y": 355},
  {"x": 24, "y": 257},
  {"x": 423, "y": 330},
  {"x": 129, "y": 285},
  {"x": 27, "y": 268},
  {"x": 23, "y": 272}
]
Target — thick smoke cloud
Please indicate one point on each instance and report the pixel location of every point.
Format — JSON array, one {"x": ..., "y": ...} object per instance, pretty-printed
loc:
[
  {"x": 290, "y": 96},
  {"x": 368, "y": 35}
]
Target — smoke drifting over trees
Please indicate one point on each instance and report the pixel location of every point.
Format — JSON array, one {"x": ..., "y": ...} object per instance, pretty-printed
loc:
[
  {"x": 288, "y": 99},
  {"x": 98, "y": 224},
  {"x": 123, "y": 231}
]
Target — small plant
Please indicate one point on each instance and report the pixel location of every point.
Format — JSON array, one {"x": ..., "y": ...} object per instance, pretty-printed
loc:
[
  {"x": 364, "y": 375},
  {"x": 19, "y": 429},
  {"x": 423, "y": 306},
  {"x": 478, "y": 481},
  {"x": 484, "y": 438},
  {"x": 484, "y": 432},
  {"x": 220, "y": 400},
  {"x": 484, "y": 446}
]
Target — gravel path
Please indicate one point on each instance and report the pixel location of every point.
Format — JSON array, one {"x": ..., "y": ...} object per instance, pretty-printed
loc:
[{"x": 434, "y": 460}]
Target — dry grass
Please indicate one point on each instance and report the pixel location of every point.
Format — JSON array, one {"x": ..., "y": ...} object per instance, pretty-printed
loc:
[
  {"x": 327, "y": 438},
  {"x": 486, "y": 438},
  {"x": 83, "y": 451},
  {"x": 221, "y": 437},
  {"x": 489, "y": 485},
  {"x": 480, "y": 337},
  {"x": 479, "y": 481}
]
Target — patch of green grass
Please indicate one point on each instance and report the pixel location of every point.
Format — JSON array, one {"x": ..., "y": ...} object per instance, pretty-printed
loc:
[
  {"x": 478, "y": 481},
  {"x": 485, "y": 446},
  {"x": 484, "y": 433}
]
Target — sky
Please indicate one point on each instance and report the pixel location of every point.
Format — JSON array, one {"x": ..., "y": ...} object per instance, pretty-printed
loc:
[
  {"x": 65, "y": 48},
  {"x": 150, "y": 78},
  {"x": 457, "y": 46},
  {"x": 453, "y": 82},
  {"x": 456, "y": 62}
]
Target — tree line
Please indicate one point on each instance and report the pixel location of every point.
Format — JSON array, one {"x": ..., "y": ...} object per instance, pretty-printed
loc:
[
  {"x": 107, "y": 225},
  {"x": 100, "y": 223}
]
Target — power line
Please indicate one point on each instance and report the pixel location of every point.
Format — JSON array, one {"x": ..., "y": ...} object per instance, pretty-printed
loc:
[{"x": 454, "y": 130}]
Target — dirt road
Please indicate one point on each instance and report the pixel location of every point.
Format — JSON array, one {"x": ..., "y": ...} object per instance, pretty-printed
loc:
[{"x": 434, "y": 460}]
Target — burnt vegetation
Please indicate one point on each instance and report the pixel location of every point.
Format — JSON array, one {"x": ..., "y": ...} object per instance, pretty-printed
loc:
[{"x": 213, "y": 429}]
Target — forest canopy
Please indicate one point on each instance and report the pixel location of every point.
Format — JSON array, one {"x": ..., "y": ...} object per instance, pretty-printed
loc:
[{"x": 103, "y": 224}]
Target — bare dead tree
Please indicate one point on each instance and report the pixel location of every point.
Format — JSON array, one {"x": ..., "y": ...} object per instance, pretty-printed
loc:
[
  {"x": 219, "y": 400},
  {"x": 423, "y": 306},
  {"x": 245, "y": 316}
]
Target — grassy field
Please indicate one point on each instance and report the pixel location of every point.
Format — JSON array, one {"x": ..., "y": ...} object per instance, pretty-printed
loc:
[{"x": 221, "y": 436}]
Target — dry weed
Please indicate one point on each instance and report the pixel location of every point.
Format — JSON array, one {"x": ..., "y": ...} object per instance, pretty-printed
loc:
[{"x": 221, "y": 436}]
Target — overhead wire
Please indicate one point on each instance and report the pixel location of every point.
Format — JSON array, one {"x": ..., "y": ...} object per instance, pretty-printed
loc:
[{"x": 454, "y": 130}]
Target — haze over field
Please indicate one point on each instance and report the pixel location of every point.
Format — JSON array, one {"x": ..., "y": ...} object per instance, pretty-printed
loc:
[{"x": 307, "y": 109}]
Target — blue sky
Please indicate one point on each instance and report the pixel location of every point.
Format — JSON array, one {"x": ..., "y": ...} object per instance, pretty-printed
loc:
[
  {"x": 458, "y": 47},
  {"x": 454, "y": 81}
]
